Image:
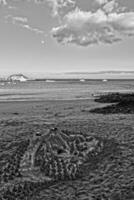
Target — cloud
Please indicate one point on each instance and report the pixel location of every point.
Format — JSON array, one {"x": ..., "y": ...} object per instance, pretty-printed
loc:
[
  {"x": 106, "y": 23},
  {"x": 101, "y": 2},
  {"x": 19, "y": 20},
  {"x": 61, "y": 7},
  {"x": 85, "y": 28},
  {"x": 3, "y": 2},
  {"x": 35, "y": 30},
  {"x": 110, "y": 6},
  {"x": 23, "y": 22}
]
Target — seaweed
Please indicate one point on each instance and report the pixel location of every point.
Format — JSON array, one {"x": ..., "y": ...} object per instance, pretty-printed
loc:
[{"x": 123, "y": 104}]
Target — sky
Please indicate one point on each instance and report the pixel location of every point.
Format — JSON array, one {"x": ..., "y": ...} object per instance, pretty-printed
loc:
[{"x": 48, "y": 36}]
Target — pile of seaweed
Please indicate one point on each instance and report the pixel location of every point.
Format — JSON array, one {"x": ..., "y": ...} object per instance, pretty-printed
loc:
[{"x": 121, "y": 103}]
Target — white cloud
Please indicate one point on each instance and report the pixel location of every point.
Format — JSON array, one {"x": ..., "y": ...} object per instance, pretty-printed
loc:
[
  {"x": 23, "y": 22},
  {"x": 36, "y": 30},
  {"x": 61, "y": 7},
  {"x": 3, "y": 2},
  {"x": 101, "y": 2},
  {"x": 110, "y": 6},
  {"x": 85, "y": 28},
  {"x": 108, "y": 23},
  {"x": 19, "y": 19}
]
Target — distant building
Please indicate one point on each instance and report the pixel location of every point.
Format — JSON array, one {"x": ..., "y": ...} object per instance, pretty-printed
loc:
[{"x": 17, "y": 77}]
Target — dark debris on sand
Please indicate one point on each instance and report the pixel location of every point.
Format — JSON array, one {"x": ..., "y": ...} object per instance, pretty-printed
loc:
[
  {"x": 115, "y": 97},
  {"x": 121, "y": 103}
]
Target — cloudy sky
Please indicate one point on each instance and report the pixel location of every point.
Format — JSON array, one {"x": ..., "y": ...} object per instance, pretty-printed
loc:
[{"x": 38, "y": 36}]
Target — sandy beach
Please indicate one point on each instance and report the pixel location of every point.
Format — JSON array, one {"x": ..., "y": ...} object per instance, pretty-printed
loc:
[
  {"x": 66, "y": 100},
  {"x": 113, "y": 178}
]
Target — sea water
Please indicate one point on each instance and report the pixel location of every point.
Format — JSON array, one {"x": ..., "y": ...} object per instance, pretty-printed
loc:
[{"x": 61, "y": 89}]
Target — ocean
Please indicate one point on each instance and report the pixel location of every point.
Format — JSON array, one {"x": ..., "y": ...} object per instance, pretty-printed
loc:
[{"x": 61, "y": 89}]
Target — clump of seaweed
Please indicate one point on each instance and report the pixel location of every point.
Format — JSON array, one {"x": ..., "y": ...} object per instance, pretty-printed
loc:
[
  {"x": 123, "y": 103},
  {"x": 115, "y": 97}
]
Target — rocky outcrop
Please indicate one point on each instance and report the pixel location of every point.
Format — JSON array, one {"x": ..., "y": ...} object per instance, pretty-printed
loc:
[{"x": 120, "y": 103}]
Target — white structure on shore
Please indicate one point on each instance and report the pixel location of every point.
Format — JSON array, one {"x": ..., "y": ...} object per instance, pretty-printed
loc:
[
  {"x": 104, "y": 80},
  {"x": 50, "y": 81},
  {"x": 17, "y": 77},
  {"x": 82, "y": 80}
]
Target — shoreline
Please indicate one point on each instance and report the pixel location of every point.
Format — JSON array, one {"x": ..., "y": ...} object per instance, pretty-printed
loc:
[
  {"x": 45, "y": 100},
  {"x": 91, "y": 96}
]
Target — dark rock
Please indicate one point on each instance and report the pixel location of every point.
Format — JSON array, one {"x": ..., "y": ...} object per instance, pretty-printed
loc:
[{"x": 123, "y": 103}]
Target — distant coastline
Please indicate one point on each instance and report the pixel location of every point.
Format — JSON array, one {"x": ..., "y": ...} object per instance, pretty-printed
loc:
[
  {"x": 71, "y": 76},
  {"x": 103, "y": 72}
]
